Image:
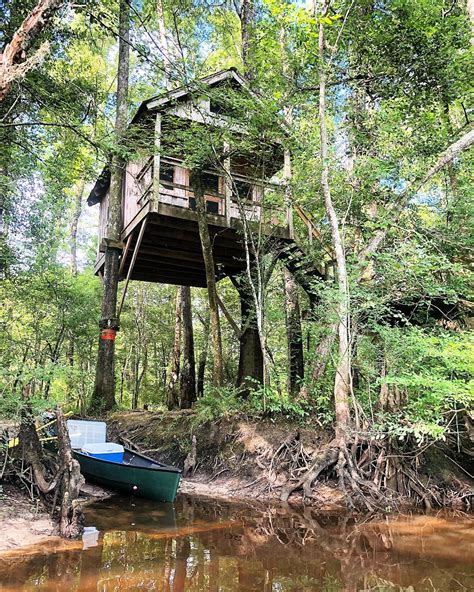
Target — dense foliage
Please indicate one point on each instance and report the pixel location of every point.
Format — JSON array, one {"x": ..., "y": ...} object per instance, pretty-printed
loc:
[{"x": 400, "y": 75}]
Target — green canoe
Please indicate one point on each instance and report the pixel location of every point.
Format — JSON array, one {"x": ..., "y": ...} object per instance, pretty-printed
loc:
[{"x": 136, "y": 475}]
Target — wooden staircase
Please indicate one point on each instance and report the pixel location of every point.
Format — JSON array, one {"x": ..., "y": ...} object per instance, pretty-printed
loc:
[{"x": 299, "y": 263}]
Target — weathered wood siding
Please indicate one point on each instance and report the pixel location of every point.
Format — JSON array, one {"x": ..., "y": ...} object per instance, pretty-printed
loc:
[
  {"x": 175, "y": 194},
  {"x": 137, "y": 188},
  {"x": 103, "y": 213}
]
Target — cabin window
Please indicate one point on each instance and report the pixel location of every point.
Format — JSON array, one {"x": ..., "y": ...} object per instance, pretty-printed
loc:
[
  {"x": 243, "y": 190},
  {"x": 210, "y": 183},
  {"x": 166, "y": 173},
  {"x": 212, "y": 207}
]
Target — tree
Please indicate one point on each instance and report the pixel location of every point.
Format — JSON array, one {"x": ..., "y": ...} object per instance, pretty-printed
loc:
[
  {"x": 103, "y": 396},
  {"x": 342, "y": 382},
  {"x": 175, "y": 363},
  {"x": 214, "y": 321},
  {"x": 188, "y": 370},
  {"x": 294, "y": 335}
]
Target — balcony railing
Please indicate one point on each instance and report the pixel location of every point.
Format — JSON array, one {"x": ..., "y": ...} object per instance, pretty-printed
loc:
[{"x": 175, "y": 190}]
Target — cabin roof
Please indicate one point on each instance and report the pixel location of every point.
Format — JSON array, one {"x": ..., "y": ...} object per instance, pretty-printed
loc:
[{"x": 163, "y": 101}]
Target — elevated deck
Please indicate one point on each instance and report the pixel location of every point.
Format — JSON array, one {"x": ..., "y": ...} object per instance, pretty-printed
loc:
[{"x": 169, "y": 249}]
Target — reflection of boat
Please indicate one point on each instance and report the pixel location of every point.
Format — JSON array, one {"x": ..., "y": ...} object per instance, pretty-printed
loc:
[
  {"x": 123, "y": 514},
  {"x": 136, "y": 474}
]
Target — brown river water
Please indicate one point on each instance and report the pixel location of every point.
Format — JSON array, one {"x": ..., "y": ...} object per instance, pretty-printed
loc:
[{"x": 201, "y": 544}]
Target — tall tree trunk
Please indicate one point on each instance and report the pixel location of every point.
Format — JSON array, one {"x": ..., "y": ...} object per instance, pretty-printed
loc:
[
  {"x": 215, "y": 326},
  {"x": 173, "y": 380},
  {"x": 203, "y": 358},
  {"x": 103, "y": 396},
  {"x": 343, "y": 368},
  {"x": 294, "y": 335},
  {"x": 3, "y": 226},
  {"x": 247, "y": 18},
  {"x": 74, "y": 226},
  {"x": 188, "y": 370},
  {"x": 168, "y": 45}
]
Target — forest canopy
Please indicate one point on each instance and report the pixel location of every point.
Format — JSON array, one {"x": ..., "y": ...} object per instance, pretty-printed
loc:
[{"x": 372, "y": 102}]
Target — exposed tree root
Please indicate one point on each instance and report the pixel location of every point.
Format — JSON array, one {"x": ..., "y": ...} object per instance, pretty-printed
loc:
[
  {"x": 324, "y": 460},
  {"x": 373, "y": 475}
]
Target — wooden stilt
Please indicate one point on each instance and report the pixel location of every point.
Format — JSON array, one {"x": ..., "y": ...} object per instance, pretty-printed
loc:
[
  {"x": 132, "y": 264},
  {"x": 124, "y": 254}
]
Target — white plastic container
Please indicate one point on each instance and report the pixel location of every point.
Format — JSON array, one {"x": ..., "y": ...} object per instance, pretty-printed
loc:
[
  {"x": 83, "y": 432},
  {"x": 105, "y": 451}
]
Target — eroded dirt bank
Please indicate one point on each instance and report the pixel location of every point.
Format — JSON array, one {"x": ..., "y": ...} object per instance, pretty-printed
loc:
[
  {"x": 241, "y": 458},
  {"x": 23, "y": 522}
]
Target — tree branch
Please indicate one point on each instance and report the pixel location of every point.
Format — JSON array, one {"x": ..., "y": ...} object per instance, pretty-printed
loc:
[
  {"x": 70, "y": 126},
  {"x": 14, "y": 53},
  {"x": 465, "y": 142}
]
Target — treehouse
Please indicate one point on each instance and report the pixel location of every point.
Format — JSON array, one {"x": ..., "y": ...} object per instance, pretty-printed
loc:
[{"x": 160, "y": 236}]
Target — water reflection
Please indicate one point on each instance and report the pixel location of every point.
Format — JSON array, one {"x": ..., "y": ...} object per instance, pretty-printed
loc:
[{"x": 204, "y": 545}]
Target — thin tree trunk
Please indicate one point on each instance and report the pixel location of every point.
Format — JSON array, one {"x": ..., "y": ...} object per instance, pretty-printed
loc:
[
  {"x": 343, "y": 368},
  {"x": 173, "y": 380},
  {"x": 203, "y": 359},
  {"x": 188, "y": 370},
  {"x": 294, "y": 334},
  {"x": 215, "y": 327},
  {"x": 74, "y": 225},
  {"x": 103, "y": 396},
  {"x": 167, "y": 43},
  {"x": 247, "y": 17},
  {"x": 293, "y": 314}
]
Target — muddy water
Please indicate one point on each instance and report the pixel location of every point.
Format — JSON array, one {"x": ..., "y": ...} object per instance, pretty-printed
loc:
[{"x": 198, "y": 544}]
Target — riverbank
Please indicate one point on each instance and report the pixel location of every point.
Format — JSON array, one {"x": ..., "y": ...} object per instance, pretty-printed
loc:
[
  {"x": 240, "y": 458},
  {"x": 24, "y": 523}
]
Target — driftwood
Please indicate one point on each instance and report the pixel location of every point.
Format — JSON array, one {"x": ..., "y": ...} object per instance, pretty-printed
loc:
[
  {"x": 58, "y": 481},
  {"x": 70, "y": 519}
]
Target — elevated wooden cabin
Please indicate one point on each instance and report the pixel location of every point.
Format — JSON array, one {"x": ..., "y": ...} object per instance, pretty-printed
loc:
[{"x": 158, "y": 201}]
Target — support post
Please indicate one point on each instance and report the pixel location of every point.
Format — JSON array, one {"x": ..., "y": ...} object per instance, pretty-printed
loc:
[
  {"x": 132, "y": 265},
  {"x": 155, "y": 199},
  {"x": 123, "y": 258},
  {"x": 227, "y": 185}
]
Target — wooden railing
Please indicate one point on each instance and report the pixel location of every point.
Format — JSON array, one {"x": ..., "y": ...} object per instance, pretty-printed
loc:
[{"x": 266, "y": 203}]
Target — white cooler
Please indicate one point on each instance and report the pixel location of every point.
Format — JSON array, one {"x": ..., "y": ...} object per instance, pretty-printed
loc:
[{"x": 104, "y": 451}]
